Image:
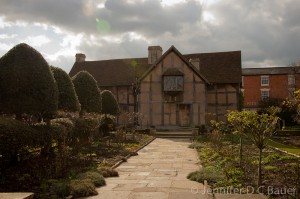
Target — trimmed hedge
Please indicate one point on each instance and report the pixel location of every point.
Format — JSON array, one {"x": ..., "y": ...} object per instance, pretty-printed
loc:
[
  {"x": 16, "y": 138},
  {"x": 88, "y": 92},
  {"x": 27, "y": 85},
  {"x": 85, "y": 129},
  {"x": 109, "y": 103},
  {"x": 82, "y": 188},
  {"x": 67, "y": 97}
]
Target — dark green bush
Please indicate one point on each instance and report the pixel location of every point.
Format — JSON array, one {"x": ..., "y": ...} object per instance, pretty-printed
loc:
[
  {"x": 16, "y": 138},
  {"x": 65, "y": 127},
  {"x": 84, "y": 130},
  {"x": 27, "y": 85},
  {"x": 94, "y": 176},
  {"x": 201, "y": 128},
  {"x": 88, "y": 92},
  {"x": 67, "y": 97},
  {"x": 82, "y": 188},
  {"x": 109, "y": 103},
  {"x": 107, "y": 124},
  {"x": 57, "y": 188},
  {"x": 47, "y": 135}
]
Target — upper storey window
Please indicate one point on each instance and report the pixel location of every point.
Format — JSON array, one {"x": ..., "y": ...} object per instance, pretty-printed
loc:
[
  {"x": 264, "y": 80},
  {"x": 173, "y": 83}
]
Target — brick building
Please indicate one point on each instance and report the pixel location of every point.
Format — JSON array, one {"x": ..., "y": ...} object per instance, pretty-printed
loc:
[
  {"x": 275, "y": 82},
  {"x": 171, "y": 89}
]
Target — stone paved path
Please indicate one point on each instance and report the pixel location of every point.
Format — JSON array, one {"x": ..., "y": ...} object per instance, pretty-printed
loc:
[{"x": 158, "y": 172}]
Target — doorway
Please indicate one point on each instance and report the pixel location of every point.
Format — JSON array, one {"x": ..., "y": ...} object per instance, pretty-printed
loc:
[{"x": 184, "y": 118}]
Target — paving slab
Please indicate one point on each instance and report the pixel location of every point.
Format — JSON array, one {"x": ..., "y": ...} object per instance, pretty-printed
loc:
[
  {"x": 159, "y": 171},
  {"x": 16, "y": 195},
  {"x": 240, "y": 196}
]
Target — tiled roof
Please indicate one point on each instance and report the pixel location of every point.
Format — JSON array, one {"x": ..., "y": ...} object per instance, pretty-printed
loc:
[
  {"x": 219, "y": 67},
  {"x": 117, "y": 72},
  {"x": 270, "y": 71}
]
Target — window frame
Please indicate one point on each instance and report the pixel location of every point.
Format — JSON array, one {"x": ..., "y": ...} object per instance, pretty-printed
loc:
[
  {"x": 178, "y": 79},
  {"x": 264, "y": 78},
  {"x": 264, "y": 91}
]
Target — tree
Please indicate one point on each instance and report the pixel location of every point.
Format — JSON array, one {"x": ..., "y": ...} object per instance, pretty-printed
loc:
[
  {"x": 265, "y": 103},
  {"x": 262, "y": 128},
  {"x": 297, "y": 104},
  {"x": 67, "y": 97},
  {"x": 258, "y": 127},
  {"x": 26, "y": 83},
  {"x": 109, "y": 103},
  {"x": 88, "y": 92},
  {"x": 240, "y": 123},
  {"x": 287, "y": 111}
]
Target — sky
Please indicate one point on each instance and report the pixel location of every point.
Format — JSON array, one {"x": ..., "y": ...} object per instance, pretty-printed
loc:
[{"x": 266, "y": 31}]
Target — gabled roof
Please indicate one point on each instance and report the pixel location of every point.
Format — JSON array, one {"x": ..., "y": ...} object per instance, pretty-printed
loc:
[
  {"x": 218, "y": 67},
  {"x": 172, "y": 48},
  {"x": 271, "y": 71}
]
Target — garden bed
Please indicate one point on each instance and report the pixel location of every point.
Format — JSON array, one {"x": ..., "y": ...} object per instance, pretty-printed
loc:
[
  {"x": 36, "y": 173},
  {"x": 222, "y": 169}
]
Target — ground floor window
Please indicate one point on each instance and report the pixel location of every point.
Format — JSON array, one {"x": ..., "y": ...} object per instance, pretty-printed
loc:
[{"x": 265, "y": 93}]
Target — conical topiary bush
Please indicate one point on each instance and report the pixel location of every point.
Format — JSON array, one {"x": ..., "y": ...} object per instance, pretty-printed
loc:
[{"x": 26, "y": 83}]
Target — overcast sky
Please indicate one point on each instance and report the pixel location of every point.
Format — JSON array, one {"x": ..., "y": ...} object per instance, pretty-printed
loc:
[{"x": 266, "y": 31}]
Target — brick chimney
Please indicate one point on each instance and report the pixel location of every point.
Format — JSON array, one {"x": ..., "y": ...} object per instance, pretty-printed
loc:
[
  {"x": 80, "y": 57},
  {"x": 195, "y": 62},
  {"x": 154, "y": 53}
]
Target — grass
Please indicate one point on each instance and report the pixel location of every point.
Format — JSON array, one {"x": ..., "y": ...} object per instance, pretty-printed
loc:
[{"x": 284, "y": 147}]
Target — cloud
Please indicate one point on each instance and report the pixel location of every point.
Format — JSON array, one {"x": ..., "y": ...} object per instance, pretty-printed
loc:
[
  {"x": 266, "y": 31},
  {"x": 148, "y": 17},
  {"x": 37, "y": 41}
]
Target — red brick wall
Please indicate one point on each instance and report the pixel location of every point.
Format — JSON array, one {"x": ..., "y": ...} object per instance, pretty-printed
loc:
[
  {"x": 251, "y": 90},
  {"x": 278, "y": 85}
]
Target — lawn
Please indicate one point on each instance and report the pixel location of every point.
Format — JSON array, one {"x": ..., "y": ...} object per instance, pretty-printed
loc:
[{"x": 284, "y": 147}]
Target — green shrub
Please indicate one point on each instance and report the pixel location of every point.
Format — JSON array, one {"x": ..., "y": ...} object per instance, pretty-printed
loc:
[
  {"x": 109, "y": 103},
  {"x": 67, "y": 97},
  {"x": 88, "y": 92},
  {"x": 271, "y": 158},
  {"x": 16, "y": 138},
  {"x": 82, "y": 188},
  {"x": 288, "y": 157},
  {"x": 107, "y": 124},
  {"x": 65, "y": 127},
  {"x": 197, "y": 145},
  {"x": 26, "y": 83},
  {"x": 271, "y": 168},
  {"x": 84, "y": 130},
  {"x": 201, "y": 128},
  {"x": 47, "y": 135},
  {"x": 108, "y": 172},
  {"x": 56, "y": 189},
  {"x": 94, "y": 176},
  {"x": 211, "y": 174}
]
